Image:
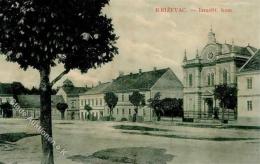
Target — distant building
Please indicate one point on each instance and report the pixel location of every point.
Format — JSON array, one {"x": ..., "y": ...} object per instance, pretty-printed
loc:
[
  {"x": 147, "y": 83},
  {"x": 6, "y": 94},
  {"x": 95, "y": 99},
  {"x": 31, "y": 105},
  {"x": 217, "y": 63},
  {"x": 249, "y": 88},
  {"x": 70, "y": 94}
]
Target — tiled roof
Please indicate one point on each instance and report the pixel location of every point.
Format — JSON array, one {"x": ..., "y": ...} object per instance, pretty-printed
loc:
[
  {"x": 227, "y": 48},
  {"x": 33, "y": 101},
  {"x": 252, "y": 64},
  {"x": 6, "y": 89},
  {"x": 101, "y": 88},
  {"x": 74, "y": 91},
  {"x": 137, "y": 81}
]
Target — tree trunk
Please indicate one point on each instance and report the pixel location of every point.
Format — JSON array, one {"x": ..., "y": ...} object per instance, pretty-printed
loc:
[
  {"x": 62, "y": 115},
  {"x": 135, "y": 114},
  {"x": 110, "y": 114},
  {"x": 45, "y": 116}
]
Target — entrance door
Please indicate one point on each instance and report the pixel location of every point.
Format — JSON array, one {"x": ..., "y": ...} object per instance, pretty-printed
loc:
[{"x": 209, "y": 102}]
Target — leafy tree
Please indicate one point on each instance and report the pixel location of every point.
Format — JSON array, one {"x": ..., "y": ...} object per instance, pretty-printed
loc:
[
  {"x": 155, "y": 104},
  {"x": 227, "y": 96},
  {"x": 111, "y": 100},
  {"x": 18, "y": 89},
  {"x": 7, "y": 110},
  {"x": 62, "y": 108},
  {"x": 41, "y": 34},
  {"x": 88, "y": 109},
  {"x": 137, "y": 99}
]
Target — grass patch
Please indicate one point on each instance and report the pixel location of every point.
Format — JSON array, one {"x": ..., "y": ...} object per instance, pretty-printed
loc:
[
  {"x": 194, "y": 138},
  {"x": 141, "y": 128},
  {"x": 220, "y": 126},
  {"x": 126, "y": 155},
  {"x": 14, "y": 137}
]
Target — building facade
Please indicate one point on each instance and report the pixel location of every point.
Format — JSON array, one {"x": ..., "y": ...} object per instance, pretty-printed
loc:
[
  {"x": 95, "y": 99},
  {"x": 216, "y": 64},
  {"x": 70, "y": 94},
  {"x": 30, "y": 104},
  {"x": 6, "y": 95},
  {"x": 147, "y": 83},
  {"x": 249, "y": 89}
]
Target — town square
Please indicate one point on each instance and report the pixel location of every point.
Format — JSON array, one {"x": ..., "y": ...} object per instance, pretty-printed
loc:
[{"x": 107, "y": 82}]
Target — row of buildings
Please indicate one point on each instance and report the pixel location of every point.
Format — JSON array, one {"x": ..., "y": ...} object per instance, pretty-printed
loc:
[
  {"x": 217, "y": 63},
  {"x": 147, "y": 83}
]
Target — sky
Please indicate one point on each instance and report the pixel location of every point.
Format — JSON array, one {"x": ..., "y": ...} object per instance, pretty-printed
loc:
[{"x": 149, "y": 39}]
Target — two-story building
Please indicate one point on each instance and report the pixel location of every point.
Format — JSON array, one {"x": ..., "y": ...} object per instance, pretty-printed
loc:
[
  {"x": 6, "y": 94},
  {"x": 95, "y": 99},
  {"x": 217, "y": 63},
  {"x": 249, "y": 89},
  {"x": 70, "y": 94},
  {"x": 147, "y": 83}
]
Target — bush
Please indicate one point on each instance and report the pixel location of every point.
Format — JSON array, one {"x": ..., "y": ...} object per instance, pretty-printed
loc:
[{"x": 123, "y": 119}]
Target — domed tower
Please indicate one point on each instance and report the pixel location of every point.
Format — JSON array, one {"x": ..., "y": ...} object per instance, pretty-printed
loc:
[
  {"x": 68, "y": 83},
  {"x": 211, "y": 37}
]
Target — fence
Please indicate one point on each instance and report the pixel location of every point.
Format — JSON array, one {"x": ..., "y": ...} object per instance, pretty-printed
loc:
[{"x": 222, "y": 115}]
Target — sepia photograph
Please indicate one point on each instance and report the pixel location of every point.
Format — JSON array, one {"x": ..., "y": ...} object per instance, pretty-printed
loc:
[{"x": 129, "y": 81}]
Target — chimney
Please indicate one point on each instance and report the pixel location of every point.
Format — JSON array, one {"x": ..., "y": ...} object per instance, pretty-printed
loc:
[
  {"x": 140, "y": 70},
  {"x": 154, "y": 68}
]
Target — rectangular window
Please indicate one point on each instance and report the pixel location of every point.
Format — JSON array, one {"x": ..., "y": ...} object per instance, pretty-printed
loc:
[
  {"x": 88, "y": 101},
  {"x": 249, "y": 106},
  {"x": 96, "y": 102},
  {"x": 190, "y": 80},
  {"x": 123, "y": 111},
  {"x": 100, "y": 102},
  {"x": 117, "y": 111},
  {"x": 85, "y": 101},
  {"x": 81, "y": 102},
  {"x": 123, "y": 98},
  {"x": 129, "y": 111},
  {"x": 249, "y": 83},
  {"x": 208, "y": 79},
  {"x": 92, "y": 102},
  {"x": 143, "y": 112}
]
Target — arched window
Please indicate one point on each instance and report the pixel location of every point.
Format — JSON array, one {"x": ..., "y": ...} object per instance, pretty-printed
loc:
[
  {"x": 212, "y": 79},
  {"x": 225, "y": 76},
  {"x": 190, "y": 80},
  {"x": 208, "y": 79}
]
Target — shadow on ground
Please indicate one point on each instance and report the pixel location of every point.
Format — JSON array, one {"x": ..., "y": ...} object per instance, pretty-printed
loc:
[
  {"x": 191, "y": 137},
  {"x": 141, "y": 128},
  {"x": 7, "y": 140},
  {"x": 14, "y": 137},
  {"x": 134, "y": 155}
]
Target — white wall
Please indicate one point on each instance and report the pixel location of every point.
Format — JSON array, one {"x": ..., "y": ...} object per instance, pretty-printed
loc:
[{"x": 245, "y": 95}]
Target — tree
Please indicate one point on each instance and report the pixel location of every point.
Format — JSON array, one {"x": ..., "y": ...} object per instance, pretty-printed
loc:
[
  {"x": 155, "y": 104},
  {"x": 227, "y": 96},
  {"x": 88, "y": 109},
  {"x": 111, "y": 100},
  {"x": 170, "y": 105},
  {"x": 62, "y": 108},
  {"x": 137, "y": 99},
  {"x": 41, "y": 34}
]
